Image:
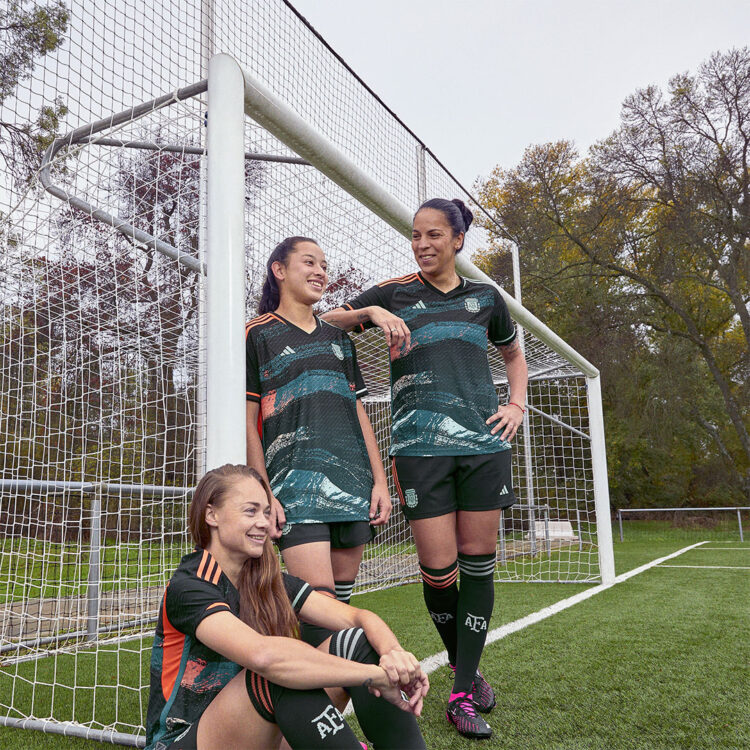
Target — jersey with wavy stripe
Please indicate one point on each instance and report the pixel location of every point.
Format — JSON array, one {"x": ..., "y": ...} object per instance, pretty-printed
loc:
[
  {"x": 186, "y": 675},
  {"x": 441, "y": 388},
  {"x": 307, "y": 385}
]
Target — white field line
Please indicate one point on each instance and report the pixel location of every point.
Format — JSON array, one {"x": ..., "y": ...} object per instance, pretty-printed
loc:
[
  {"x": 431, "y": 663},
  {"x": 721, "y": 549},
  {"x": 705, "y": 567}
]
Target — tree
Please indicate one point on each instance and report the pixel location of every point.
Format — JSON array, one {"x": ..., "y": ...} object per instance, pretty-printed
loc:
[
  {"x": 653, "y": 227},
  {"x": 29, "y": 31}
]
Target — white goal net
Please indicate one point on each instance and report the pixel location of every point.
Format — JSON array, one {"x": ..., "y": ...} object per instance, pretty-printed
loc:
[{"x": 103, "y": 367}]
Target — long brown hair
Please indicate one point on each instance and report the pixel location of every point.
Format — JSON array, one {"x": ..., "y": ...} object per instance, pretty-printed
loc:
[
  {"x": 270, "y": 296},
  {"x": 264, "y": 604}
]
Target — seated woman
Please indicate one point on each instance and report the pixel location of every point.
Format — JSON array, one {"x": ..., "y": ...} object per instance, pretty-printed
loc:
[{"x": 228, "y": 669}]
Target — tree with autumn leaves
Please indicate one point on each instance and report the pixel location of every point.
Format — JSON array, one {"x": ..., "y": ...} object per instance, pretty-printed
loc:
[{"x": 639, "y": 254}]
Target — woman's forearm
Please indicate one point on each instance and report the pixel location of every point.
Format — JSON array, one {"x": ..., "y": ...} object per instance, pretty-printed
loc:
[
  {"x": 285, "y": 661},
  {"x": 345, "y": 319}
]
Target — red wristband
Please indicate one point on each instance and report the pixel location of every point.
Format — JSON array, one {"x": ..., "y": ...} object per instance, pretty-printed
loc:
[{"x": 510, "y": 403}]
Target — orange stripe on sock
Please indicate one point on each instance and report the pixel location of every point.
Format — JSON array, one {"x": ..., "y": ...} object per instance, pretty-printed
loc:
[{"x": 440, "y": 582}]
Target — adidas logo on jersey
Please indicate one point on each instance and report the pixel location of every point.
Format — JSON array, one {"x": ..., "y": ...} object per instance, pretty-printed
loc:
[
  {"x": 420, "y": 306},
  {"x": 288, "y": 350}
]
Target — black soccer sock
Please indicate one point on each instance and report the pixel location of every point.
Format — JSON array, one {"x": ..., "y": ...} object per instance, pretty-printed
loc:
[
  {"x": 314, "y": 634},
  {"x": 385, "y": 725},
  {"x": 344, "y": 590},
  {"x": 476, "y": 599},
  {"x": 309, "y": 720},
  {"x": 441, "y": 597}
]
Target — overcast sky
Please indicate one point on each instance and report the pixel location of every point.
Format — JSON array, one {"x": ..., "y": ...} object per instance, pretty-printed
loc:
[{"x": 480, "y": 80}]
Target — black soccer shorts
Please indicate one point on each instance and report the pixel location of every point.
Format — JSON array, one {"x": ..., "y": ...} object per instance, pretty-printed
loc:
[
  {"x": 341, "y": 534},
  {"x": 431, "y": 486}
]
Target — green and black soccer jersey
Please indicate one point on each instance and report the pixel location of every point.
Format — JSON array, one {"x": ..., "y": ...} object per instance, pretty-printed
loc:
[
  {"x": 441, "y": 387},
  {"x": 185, "y": 674},
  {"x": 307, "y": 385}
]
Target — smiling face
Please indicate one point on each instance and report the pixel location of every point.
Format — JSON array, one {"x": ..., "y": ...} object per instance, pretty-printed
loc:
[
  {"x": 239, "y": 526},
  {"x": 434, "y": 243},
  {"x": 305, "y": 274}
]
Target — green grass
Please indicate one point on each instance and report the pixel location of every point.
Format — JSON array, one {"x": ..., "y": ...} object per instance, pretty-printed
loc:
[
  {"x": 658, "y": 662},
  {"x": 65, "y": 567}
]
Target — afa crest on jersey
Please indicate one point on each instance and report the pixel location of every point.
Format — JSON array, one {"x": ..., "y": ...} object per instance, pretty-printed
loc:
[
  {"x": 337, "y": 350},
  {"x": 472, "y": 304}
]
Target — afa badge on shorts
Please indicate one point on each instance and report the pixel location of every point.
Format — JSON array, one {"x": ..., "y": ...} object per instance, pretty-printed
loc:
[
  {"x": 410, "y": 498},
  {"x": 472, "y": 305}
]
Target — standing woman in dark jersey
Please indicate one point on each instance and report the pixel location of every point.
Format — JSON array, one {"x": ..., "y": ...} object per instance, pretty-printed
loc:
[
  {"x": 315, "y": 443},
  {"x": 450, "y": 438},
  {"x": 227, "y": 667}
]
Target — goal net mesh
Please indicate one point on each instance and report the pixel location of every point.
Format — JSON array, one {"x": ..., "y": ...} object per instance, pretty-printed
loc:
[{"x": 102, "y": 405}]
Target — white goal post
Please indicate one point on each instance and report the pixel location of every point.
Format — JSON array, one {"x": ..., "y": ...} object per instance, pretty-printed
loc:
[{"x": 228, "y": 86}]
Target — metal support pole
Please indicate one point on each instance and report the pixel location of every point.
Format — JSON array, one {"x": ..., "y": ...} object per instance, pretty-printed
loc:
[
  {"x": 601, "y": 485},
  {"x": 225, "y": 285},
  {"x": 503, "y": 553},
  {"x": 421, "y": 175},
  {"x": 578, "y": 527},
  {"x": 739, "y": 523},
  {"x": 94, "y": 578},
  {"x": 619, "y": 518},
  {"x": 527, "y": 460},
  {"x": 546, "y": 530}
]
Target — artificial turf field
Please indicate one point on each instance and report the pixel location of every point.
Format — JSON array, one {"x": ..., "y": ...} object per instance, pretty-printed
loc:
[{"x": 660, "y": 661}]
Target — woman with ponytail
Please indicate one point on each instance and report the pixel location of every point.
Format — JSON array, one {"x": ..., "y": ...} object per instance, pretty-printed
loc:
[
  {"x": 450, "y": 439},
  {"x": 308, "y": 434},
  {"x": 228, "y": 669}
]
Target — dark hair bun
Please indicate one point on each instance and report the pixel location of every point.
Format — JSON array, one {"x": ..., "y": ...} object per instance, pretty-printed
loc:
[{"x": 468, "y": 217}]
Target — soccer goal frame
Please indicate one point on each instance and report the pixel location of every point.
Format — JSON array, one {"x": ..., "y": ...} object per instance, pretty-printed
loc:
[
  {"x": 234, "y": 94},
  {"x": 563, "y": 533}
]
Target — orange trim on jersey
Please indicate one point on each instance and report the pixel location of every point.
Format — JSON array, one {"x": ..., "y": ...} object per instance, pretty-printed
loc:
[
  {"x": 215, "y": 577},
  {"x": 397, "y": 483},
  {"x": 276, "y": 317},
  {"x": 401, "y": 280},
  {"x": 209, "y": 569},
  {"x": 217, "y": 604},
  {"x": 172, "y": 648},
  {"x": 250, "y": 393},
  {"x": 256, "y": 322},
  {"x": 203, "y": 563}
]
